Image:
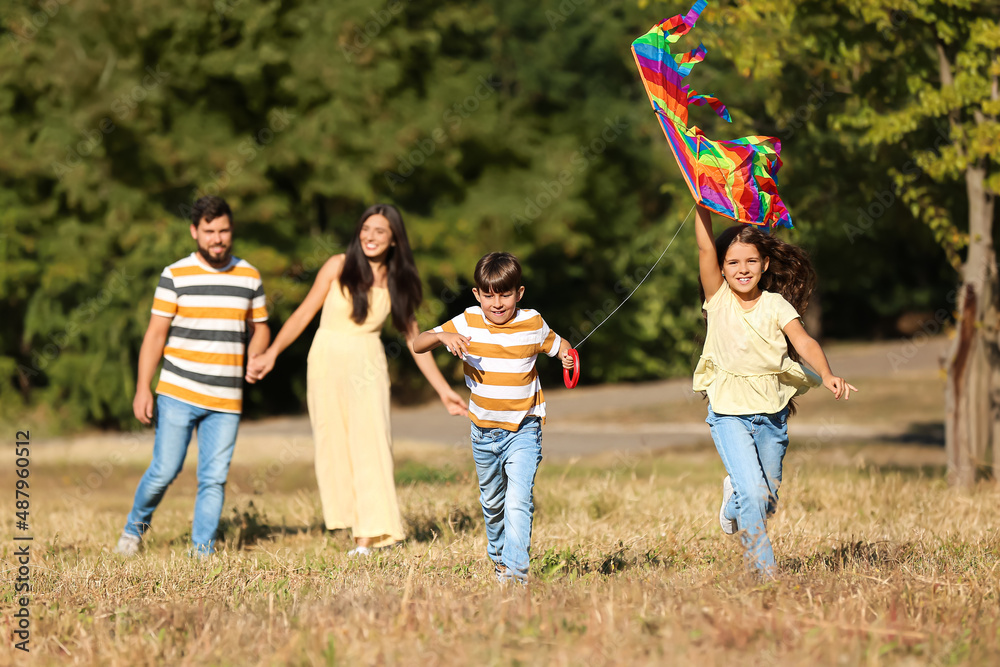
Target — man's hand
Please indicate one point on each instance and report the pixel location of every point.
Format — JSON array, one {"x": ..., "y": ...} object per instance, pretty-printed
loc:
[{"x": 142, "y": 405}]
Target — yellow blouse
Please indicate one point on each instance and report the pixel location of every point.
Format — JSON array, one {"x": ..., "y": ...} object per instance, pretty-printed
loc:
[{"x": 745, "y": 366}]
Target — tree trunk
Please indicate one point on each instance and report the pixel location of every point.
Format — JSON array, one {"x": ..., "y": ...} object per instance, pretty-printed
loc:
[{"x": 973, "y": 358}]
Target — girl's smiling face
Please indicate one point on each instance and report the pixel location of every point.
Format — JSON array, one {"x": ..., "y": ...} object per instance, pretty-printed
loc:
[{"x": 742, "y": 269}]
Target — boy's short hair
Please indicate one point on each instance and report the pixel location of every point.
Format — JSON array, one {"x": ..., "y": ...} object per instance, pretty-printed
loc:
[{"x": 498, "y": 272}]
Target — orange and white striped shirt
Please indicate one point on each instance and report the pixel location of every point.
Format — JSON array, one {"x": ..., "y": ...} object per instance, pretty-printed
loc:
[
  {"x": 209, "y": 309},
  {"x": 500, "y": 365}
]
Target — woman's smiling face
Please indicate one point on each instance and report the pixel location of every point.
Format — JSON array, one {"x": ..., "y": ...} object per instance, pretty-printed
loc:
[{"x": 375, "y": 237}]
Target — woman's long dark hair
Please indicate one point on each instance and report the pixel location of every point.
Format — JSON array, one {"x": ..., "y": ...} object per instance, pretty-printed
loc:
[{"x": 405, "y": 290}]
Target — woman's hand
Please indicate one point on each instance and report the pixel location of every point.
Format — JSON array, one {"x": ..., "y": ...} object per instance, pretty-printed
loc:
[
  {"x": 839, "y": 386},
  {"x": 453, "y": 403},
  {"x": 260, "y": 365}
]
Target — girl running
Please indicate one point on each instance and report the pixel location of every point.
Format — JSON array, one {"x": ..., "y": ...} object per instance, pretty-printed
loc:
[{"x": 755, "y": 286}]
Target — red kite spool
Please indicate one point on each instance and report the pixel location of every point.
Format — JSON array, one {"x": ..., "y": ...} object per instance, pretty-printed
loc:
[{"x": 570, "y": 380}]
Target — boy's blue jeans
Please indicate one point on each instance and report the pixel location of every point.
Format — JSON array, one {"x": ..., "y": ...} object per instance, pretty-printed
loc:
[
  {"x": 176, "y": 421},
  {"x": 506, "y": 463},
  {"x": 752, "y": 448}
]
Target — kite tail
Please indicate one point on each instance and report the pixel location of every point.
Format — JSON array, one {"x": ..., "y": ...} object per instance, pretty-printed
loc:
[
  {"x": 699, "y": 99},
  {"x": 677, "y": 26}
]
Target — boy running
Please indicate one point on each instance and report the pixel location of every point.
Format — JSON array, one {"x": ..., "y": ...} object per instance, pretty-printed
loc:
[{"x": 498, "y": 343}]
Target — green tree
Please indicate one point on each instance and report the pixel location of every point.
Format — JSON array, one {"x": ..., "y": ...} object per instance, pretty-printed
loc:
[{"x": 921, "y": 80}]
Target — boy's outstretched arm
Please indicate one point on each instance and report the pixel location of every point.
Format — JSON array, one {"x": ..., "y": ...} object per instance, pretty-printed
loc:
[
  {"x": 457, "y": 344},
  {"x": 708, "y": 262},
  {"x": 812, "y": 354}
]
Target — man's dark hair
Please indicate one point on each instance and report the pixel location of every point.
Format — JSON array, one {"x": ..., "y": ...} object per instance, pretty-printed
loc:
[{"x": 209, "y": 208}]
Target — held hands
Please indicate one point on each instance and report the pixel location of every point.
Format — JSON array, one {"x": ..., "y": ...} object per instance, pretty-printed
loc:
[
  {"x": 839, "y": 386},
  {"x": 142, "y": 406},
  {"x": 259, "y": 366},
  {"x": 457, "y": 344}
]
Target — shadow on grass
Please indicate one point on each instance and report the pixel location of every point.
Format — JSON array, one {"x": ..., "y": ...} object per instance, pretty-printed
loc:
[
  {"x": 848, "y": 555},
  {"x": 926, "y": 471},
  {"x": 428, "y": 528},
  {"x": 571, "y": 563},
  {"x": 930, "y": 434},
  {"x": 250, "y": 526}
]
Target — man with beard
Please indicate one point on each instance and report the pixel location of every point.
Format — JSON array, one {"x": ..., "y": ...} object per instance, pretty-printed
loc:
[{"x": 204, "y": 307}]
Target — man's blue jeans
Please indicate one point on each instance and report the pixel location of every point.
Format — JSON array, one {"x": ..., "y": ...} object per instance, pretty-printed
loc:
[
  {"x": 752, "y": 448},
  {"x": 506, "y": 463},
  {"x": 176, "y": 420}
]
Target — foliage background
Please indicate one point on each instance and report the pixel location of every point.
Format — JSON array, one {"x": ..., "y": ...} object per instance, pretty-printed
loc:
[{"x": 115, "y": 116}]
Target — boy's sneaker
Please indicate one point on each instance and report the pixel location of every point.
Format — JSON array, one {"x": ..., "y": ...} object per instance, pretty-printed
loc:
[
  {"x": 128, "y": 544},
  {"x": 501, "y": 572},
  {"x": 728, "y": 525}
]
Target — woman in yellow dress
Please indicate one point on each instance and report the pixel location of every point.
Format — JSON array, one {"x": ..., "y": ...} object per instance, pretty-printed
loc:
[{"x": 348, "y": 380}]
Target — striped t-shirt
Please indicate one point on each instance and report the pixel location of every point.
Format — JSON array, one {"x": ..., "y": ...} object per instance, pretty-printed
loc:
[
  {"x": 500, "y": 365},
  {"x": 203, "y": 358}
]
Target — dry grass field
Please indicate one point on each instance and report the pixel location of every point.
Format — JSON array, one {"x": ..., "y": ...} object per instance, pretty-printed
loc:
[{"x": 881, "y": 563}]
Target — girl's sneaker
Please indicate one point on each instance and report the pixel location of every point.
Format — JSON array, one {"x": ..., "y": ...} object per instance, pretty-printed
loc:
[
  {"x": 359, "y": 552},
  {"x": 128, "y": 544},
  {"x": 728, "y": 525}
]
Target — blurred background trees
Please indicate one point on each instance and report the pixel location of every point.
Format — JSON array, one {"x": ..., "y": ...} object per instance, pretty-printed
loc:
[{"x": 493, "y": 125}]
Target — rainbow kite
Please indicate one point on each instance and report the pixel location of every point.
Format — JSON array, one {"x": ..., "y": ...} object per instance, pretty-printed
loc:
[{"x": 737, "y": 179}]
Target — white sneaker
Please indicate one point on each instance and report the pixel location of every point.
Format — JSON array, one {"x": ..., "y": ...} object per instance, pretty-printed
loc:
[
  {"x": 728, "y": 525},
  {"x": 128, "y": 544},
  {"x": 359, "y": 551}
]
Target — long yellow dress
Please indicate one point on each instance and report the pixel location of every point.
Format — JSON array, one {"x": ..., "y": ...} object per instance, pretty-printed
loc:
[{"x": 348, "y": 396}]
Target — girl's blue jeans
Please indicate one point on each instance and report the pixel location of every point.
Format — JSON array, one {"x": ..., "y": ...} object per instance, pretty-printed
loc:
[
  {"x": 506, "y": 463},
  {"x": 752, "y": 448},
  {"x": 175, "y": 422}
]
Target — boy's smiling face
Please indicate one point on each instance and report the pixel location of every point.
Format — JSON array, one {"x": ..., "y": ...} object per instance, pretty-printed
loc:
[{"x": 499, "y": 307}]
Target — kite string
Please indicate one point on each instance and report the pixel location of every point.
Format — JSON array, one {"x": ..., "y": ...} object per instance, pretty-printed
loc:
[{"x": 683, "y": 222}]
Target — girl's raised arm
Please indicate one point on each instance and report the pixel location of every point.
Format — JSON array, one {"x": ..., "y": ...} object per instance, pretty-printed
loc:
[{"x": 708, "y": 261}]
